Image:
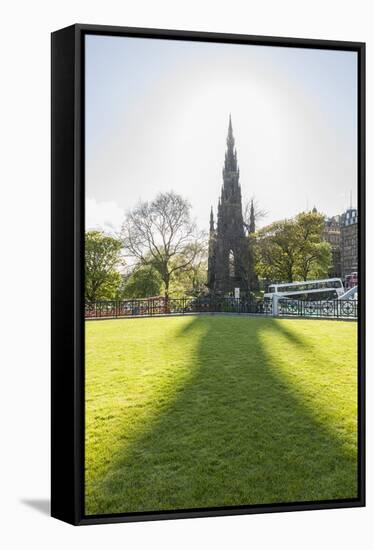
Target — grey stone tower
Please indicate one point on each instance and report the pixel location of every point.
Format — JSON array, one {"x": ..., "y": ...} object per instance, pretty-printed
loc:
[{"x": 229, "y": 258}]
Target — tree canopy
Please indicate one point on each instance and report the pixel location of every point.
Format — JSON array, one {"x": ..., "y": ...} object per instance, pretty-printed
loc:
[
  {"x": 102, "y": 260},
  {"x": 161, "y": 234},
  {"x": 171, "y": 254},
  {"x": 293, "y": 249},
  {"x": 143, "y": 281}
]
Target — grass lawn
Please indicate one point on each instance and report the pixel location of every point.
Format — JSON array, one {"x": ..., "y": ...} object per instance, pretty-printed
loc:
[{"x": 204, "y": 411}]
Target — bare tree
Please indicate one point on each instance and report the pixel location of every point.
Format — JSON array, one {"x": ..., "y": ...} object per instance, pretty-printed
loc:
[{"x": 161, "y": 233}]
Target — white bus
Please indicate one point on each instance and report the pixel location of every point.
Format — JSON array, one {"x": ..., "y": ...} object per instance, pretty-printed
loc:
[{"x": 322, "y": 289}]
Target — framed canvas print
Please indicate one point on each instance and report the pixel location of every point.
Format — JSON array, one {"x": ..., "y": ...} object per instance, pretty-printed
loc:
[{"x": 208, "y": 274}]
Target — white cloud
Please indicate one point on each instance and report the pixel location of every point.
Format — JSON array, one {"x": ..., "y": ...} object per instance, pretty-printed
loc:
[{"x": 106, "y": 216}]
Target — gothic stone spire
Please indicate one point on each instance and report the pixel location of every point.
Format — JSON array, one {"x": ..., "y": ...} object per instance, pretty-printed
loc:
[{"x": 228, "y": 249}]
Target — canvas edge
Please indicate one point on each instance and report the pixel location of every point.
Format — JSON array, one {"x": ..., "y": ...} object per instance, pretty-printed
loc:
[{"x": 67, "y": 497}]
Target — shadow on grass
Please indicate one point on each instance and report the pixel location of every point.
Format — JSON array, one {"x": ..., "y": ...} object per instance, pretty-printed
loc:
[{"x": 235, "y": 434}]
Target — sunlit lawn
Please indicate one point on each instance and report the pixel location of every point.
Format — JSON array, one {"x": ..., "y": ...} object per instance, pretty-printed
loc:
[{"x": 204, "y": 411}]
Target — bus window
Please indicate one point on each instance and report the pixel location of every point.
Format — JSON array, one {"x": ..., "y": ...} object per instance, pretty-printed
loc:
[{"x": 313, "y": 296}]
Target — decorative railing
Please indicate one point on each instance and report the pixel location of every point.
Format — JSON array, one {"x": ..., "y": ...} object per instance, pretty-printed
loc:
[
  {"x": 173, "y": 306},
  {"x": 336, "y": 309}
]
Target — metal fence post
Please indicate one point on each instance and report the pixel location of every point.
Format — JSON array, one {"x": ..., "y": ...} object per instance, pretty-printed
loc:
[{"x": 275, "y": 306}]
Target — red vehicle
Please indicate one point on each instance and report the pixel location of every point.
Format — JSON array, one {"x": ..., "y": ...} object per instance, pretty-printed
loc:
[{"x": 351, "y": 280}]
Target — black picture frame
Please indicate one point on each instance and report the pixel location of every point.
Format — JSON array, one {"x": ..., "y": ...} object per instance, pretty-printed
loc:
[{"x": 67, "y": 385}]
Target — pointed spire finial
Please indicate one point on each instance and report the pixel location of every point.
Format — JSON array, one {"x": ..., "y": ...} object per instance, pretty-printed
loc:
[
  {"x": 252, "y": 219},
  {"x": 211, "y": 223},
  {"x": 230, "y": 132},
  {"x": 230, "y": 155}
]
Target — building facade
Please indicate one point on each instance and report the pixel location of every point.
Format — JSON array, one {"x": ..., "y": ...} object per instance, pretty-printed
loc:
[
  {"x": 332, "y": 235},
  {"x": 349, "y": 242},
  {"x": 230, "y": 260}
]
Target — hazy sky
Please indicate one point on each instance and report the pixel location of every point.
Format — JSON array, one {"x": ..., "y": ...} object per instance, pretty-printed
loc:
[{"x": 157, "y": 115}]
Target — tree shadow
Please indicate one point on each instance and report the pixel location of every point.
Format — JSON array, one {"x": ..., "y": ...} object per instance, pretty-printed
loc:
[
  {"x": 297, "y": 339},
  {"x": 236, "y": 433}
]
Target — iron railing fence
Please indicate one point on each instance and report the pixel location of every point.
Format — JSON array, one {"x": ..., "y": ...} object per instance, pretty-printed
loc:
[
  {"x": 172, "y": 306},
  {"x": 231, "y": 305},
  {"x": 336, "y": 309}
]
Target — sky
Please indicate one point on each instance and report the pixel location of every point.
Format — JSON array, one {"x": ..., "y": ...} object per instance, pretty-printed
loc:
[{"x": 157, "y": 116}]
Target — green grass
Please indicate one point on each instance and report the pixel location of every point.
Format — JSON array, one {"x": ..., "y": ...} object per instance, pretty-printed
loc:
[{"x": 204, "y": 411}]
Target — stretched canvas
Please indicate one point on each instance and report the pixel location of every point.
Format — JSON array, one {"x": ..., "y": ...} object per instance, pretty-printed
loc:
[{"x": 208, "y": 293}]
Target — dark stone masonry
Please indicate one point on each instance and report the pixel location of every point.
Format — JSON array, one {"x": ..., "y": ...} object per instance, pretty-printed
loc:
[{"x": 230, "y": 259}]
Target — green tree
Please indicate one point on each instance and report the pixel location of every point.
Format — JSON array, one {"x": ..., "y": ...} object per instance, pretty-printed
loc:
[
  {"x": 192, "y": 280},
  {"x": 275, "y": 251},
  {"x": 314, "y": 255},
  {"x": 102, "y": 260},
  {"x": 293, "y": 249},
  {"x": 143, "y": 281},
  {"x": 111, "y": 288}
]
